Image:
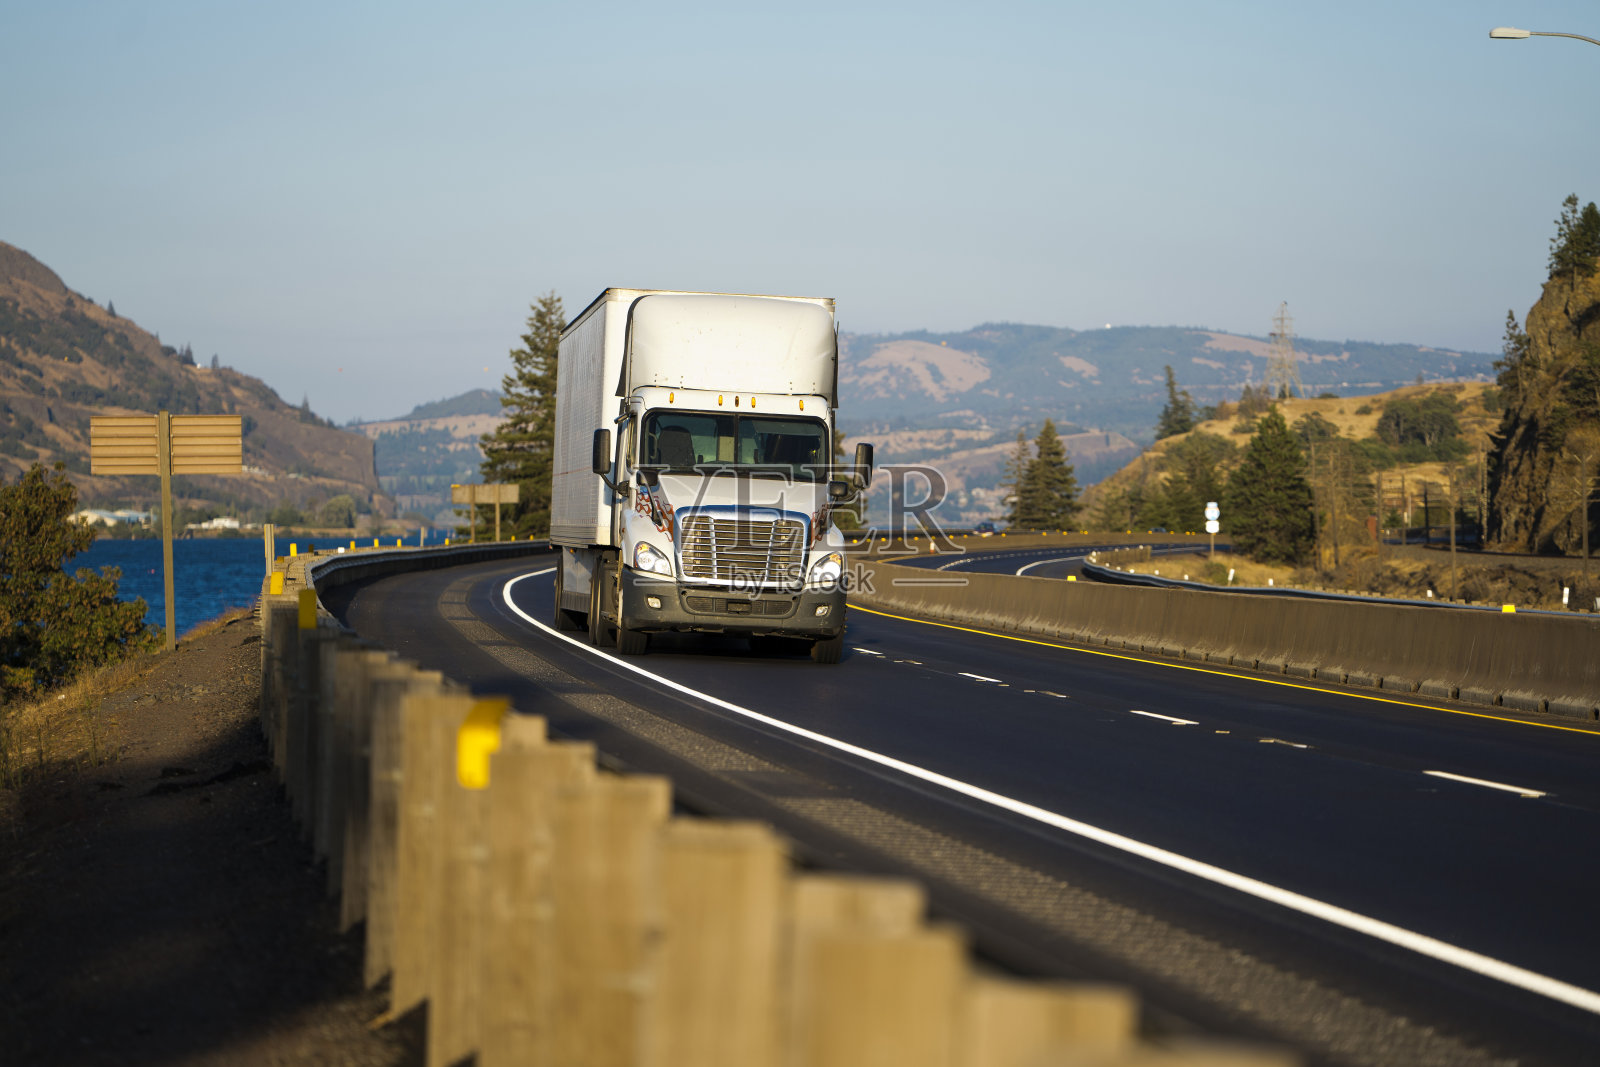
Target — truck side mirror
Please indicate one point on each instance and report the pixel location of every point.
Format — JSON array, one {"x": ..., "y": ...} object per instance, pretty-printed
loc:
[
  {"x": 838, "y": 489},
  {"x": 601, "y": 461},
  {"x": 864, "y": 463}
]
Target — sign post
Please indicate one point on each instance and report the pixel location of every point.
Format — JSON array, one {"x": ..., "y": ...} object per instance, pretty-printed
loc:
[
  {"x": 1213, "y": 514},
  {"x": 164, "y": 445},
  {"x": 495, "y": 493}
]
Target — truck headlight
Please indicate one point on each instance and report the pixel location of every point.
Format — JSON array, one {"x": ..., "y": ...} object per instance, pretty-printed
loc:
[
  {"x": 651, "y": 560},
  {"x": 826, "y": 571}
]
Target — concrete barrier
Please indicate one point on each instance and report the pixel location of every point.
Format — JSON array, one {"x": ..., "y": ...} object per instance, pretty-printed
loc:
[
  {"x": 1520, "y": 661},
  {"x": 539, "y": 910}
]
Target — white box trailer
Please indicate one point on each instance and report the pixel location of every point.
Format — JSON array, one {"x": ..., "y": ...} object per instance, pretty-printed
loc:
[{"x": 694, "y": 481}]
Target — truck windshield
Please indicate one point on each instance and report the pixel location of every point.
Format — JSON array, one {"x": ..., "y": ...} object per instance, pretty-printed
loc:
[{"x": 693, "y": 442}]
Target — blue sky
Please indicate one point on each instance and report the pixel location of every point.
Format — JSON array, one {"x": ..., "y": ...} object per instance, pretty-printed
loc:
[{"x": 358, "y": 202}]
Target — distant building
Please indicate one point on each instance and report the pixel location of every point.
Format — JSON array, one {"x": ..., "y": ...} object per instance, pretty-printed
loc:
[
  {"x": 221, "y": 522},
  {"x": 101, "y": 517}
]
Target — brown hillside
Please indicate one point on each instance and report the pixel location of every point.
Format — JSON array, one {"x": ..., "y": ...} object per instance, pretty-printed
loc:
[
  {"x": 64, "y": 359},
  {"x": 1355, "y": 417}
]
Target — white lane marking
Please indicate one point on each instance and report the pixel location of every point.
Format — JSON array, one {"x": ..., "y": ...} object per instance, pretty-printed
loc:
[
  {"x": 866, "y": 651},
  {"x": 913, "y": 662},
  {"x": 977, "y": 677},
  {"x": 1519, "y": 790},
  {"x": 1041, "y": 562},
  {"x": 1275, "y": 741},
  {"x": 1058, "y": 696},
  {"x": 1167, "y": 718},
  {"x": 1443, "y": 951}
]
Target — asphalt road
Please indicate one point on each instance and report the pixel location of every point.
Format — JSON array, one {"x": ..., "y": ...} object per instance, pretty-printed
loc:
[
  {"x": 1040, "y": 562},
  {"x": 1285, "y": 861}
]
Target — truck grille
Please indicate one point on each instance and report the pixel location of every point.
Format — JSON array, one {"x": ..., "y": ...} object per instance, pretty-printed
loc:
[{"x": 740, "y": 550}]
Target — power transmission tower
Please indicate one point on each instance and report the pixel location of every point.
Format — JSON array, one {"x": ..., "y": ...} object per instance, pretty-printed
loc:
[{"x": 1283, "y": 370}]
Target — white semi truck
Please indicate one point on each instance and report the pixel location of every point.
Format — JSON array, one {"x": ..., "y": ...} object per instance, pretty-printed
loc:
[{"x": 694, "y": 482}]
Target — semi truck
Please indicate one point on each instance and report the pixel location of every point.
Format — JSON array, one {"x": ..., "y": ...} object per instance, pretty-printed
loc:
[{"x": 693, "y": 474}]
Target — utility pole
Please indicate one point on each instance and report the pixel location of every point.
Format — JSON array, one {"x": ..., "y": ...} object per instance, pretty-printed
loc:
[
  {"x": 1283, "y": 370},
  {"x": 1451, "y": 472}
]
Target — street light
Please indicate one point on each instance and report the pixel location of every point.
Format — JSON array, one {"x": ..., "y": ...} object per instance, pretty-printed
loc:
[{"x": 1511, "y": 33}]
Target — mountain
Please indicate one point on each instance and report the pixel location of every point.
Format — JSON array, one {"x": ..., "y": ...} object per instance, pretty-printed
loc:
[
  {"x": 955, "y": 401},
  {"x": 64, "y": 359},
  {"x": 1000, "y": 376},
  {"x": 420, "y": 455}
]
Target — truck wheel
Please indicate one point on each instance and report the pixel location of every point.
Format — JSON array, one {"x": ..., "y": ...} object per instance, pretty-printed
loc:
[
  {"x": 599, "y": 631},
  {"x": 632, "y": 642},
  {"x": 563, "y": 617},
  {"x": 828, "y": 650}
]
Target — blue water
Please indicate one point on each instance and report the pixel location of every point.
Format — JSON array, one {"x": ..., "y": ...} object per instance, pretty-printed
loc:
[{"x": 209, "y": 575}]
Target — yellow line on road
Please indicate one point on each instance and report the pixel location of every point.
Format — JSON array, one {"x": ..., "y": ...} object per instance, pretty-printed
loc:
[{"x": 1226, "y": 674}]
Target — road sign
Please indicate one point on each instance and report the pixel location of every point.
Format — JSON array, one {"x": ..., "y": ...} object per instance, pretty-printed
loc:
[
  {"x": 1213, "y": 513},
  {"x": 165, "y": 445},
  {"x": 1213, "y": 526},
  {"x": 495, "y": 493},
  {"x": 488, "y": 493}
]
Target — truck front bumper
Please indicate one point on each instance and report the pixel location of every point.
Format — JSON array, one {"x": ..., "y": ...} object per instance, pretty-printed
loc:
[{"x": 653, "y": 605}]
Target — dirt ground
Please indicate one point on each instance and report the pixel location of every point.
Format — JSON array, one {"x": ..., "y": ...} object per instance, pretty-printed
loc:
[
  {"x": 161, "y": 907},
  {"x": 1407, "y": 572}
]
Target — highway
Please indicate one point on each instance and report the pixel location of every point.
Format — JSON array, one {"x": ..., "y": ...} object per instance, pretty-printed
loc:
[
  {"x": 1057, "y": 561},
  {"x": 1367, "y": 879}
]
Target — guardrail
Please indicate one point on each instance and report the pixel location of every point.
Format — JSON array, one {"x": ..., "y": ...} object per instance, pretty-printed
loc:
[
  {"x": 1524, "y": 662},
  {"x": 544, "y": 911}
]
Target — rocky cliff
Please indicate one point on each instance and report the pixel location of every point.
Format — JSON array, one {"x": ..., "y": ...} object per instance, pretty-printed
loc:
[{"x": 1548, "y": 442}]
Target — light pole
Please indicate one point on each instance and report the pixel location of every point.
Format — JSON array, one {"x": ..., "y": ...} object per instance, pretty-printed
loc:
[{"x": 1510, "y": 33}]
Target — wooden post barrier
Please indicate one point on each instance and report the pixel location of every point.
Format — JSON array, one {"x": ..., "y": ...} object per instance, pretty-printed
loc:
[
  {"x": 277, "y": 625},
  {"x": 347, "y": 819},
  {"x": 383, "y": 818},
  {"x": 518, "y": 978},
  {"x": 608, "y": 917},
  {"x": 461, "y": 848},
  {"x": 1010, "y": 1023},
  {"x": 723, "y": 888},
  {"x": 426, "y": 739},
  {"x": 868, "y": 984},
  {"x": 386, "y": 681}
]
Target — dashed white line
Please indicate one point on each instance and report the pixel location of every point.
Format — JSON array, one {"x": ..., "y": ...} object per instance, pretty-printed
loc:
[
  {"x": 1476, "y": 962},
  {"x": 977, "y": 677},
  {"x": 1041, "y": 562},
  {"x": 1164, "y": 718},
  {"x": 1276, "y": 741},
  {"x": 865, "y": 651},
  {"x": 1517, "y": 789}
]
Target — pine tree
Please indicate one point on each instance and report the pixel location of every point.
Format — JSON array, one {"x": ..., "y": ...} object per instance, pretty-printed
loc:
[
  {"x": 1576, "y": 246},
  {"x": 1178, "y": 416},
  {"x": 1048, "y": 496},
  {"x": 522, "y": 447},
  {"x": 1267, "y": 504},
  {"x": 1016, "y": 468}
]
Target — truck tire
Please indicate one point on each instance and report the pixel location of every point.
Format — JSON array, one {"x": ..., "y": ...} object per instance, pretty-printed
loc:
[
  {"x": 632, "y": 642},
  {"x": 599, "y": 629},
  {"x": 828, "y": 650},
  {"x": 563, "y": 618}
]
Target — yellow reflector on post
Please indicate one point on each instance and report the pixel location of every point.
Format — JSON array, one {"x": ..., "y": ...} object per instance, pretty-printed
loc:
[
  {"x": 477, "y": 740},
  {"x": 294, "y": 549},
  {"x": 275, "y": 584},
  {"x": 308, "y": 609},
  {"x": 1508, "y": 609}
]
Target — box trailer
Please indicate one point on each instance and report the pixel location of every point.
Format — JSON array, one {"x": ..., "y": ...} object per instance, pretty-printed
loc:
[{"x": 693, "y": 476}]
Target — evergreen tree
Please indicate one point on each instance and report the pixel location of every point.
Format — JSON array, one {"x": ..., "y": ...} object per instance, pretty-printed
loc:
[
  {"x": 1016, "y": 467},
  {"x": 521, "y": 448},
  {"x": 1576, "y": 246},
  {"x": 52, "y": 625},
  {"x": 111, "y": 307},
  {"x": 1048, "y": 496},
  {"x": 1267, "y": 504},
  {"x": 1178, "y": 416}
]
